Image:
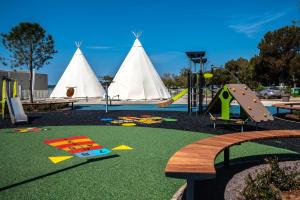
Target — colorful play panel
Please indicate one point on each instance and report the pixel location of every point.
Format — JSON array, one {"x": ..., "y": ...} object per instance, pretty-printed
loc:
[
  {"x": 122, "y": 147},
  {"x": 106, "y": 119},
  {"x": 134, "y": 174},
  {"x": 143, "y": 119},
  {"x": 170, "y": 120},
  {"x": 31, "y": 129},
  {"x": 80, "y": 146},
  {"x": 58, "y": 159},
  {"x": 128, "y": 124}
]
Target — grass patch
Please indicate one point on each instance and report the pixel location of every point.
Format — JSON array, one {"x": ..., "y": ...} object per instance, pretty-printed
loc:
[{"x": 135, "y": 174}]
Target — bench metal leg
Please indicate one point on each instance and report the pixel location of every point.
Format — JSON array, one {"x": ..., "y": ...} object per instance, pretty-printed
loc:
[
  {"x": 226, "y": 158},
  {"x": 190, "y": 189}
]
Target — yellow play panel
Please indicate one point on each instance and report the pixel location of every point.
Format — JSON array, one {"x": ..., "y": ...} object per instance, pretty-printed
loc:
[
  {"x": 122, "y": 147},
  {"x": 128, "y": 124},
  {"x": 57, "y": 159}
]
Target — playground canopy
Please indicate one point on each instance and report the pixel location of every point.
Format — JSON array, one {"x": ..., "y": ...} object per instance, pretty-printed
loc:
[
  {"x": 80, "y": 76},
  {"x": 137, "y": 78}
]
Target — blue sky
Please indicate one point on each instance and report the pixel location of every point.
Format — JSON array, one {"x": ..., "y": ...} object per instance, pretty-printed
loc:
[{"x": 224, "y": 29}]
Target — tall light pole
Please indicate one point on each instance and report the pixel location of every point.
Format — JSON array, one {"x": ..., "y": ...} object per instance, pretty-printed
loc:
[{"x": 106, "y": 83}]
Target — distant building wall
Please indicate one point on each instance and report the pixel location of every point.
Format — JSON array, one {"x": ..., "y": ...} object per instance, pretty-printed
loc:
[{"x": 22, "y": 77}]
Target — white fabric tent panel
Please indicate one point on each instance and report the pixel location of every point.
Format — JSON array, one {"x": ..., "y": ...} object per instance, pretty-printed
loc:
[
  {"x": 137, "y": 78},
  {"x": 79, "y": 75}
]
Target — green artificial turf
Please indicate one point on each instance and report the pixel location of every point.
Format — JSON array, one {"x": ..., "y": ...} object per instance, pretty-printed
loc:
[{"x": 135, "y": 174}]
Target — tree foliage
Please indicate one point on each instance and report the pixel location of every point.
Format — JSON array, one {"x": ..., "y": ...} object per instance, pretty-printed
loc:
[
  {"x": 278, "y": 59},
  {"x": 220, "y": 77},
  {"x": 243, "y": 70},
  {"x": 174, "y": 80},
  {"x": 29, "y": 46},
  {"x": 107, "y": 78},
  {"x": 278, "y": 62}
]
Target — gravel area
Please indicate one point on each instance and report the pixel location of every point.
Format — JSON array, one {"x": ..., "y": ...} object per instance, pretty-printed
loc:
[{"x": 237, "y": 184}]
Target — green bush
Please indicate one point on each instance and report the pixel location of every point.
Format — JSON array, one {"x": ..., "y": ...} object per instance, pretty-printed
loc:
[
  {"x": 269, "y": 183},
  {"x": 260, "y": 87}
]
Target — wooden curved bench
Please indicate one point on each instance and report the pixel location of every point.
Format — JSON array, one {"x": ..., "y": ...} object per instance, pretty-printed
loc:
[{"x": 196, "y": 161}]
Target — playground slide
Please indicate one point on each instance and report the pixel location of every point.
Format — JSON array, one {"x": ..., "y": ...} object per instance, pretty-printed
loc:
[
  {"x": 173, "y": 99},
  {"x": 16, "y": 110}
]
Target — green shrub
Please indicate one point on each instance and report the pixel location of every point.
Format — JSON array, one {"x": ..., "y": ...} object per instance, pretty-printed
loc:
[
  {"x": 260, "y": 87},
  {"x": 269, "y": 183}
]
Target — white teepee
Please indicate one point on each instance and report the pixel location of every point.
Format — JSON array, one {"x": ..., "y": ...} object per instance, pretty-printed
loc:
[
  {"x": 79, "y": 75},
  {"x": 137, "y": 78}
]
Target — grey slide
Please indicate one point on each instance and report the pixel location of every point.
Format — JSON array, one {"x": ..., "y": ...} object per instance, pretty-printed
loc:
[{"x": 16, "y": 110}]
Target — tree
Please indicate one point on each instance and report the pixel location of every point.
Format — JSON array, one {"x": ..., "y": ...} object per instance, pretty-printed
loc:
[
  {"x": 107, "y": 78},
  {"x": 295, "y": 69},
  {"x": 242, "y": 69},
  {"x": 181, "y": 79},
  {"x": 29, "y": 46},
  {"x": 278, "y": 59},
  {"x": 221, "y": 77},
  {"x": 168, "y": 80},
  {"x": 174, "y": 80}
]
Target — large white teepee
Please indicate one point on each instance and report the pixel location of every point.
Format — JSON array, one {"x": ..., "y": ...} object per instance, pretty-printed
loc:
[
  {"x": 79, "y": 75},
  {"x": 137, "y": 78}
]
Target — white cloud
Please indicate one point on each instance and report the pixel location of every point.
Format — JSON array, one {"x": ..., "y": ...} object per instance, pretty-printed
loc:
[
  {"x": 252, "y": 25},
  {"x": 99, "y": 47}
]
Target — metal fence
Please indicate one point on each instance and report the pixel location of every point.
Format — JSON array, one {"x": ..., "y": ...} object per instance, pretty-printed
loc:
[{"x": 37, "y": 94}]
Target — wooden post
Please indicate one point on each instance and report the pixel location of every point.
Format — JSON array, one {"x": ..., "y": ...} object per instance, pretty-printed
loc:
[
  {"x": 189, "y": 91},
  {"x": 190, "y": 189},
  {"x": 226, "y": 158},
  {"x": 200, "y": 85}
]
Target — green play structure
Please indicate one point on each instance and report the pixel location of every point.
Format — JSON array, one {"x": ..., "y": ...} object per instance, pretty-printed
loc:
[
  {"x": 226, "y": 99},
  {"x": 251, "y": 109},
  {"x": 13, "y": 103},
  {"x": 5, "y": 92}
]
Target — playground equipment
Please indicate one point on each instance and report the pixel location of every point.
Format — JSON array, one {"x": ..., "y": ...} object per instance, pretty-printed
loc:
[
  {"x": 250, "y": 106},
  {"x": 196, "y": 82},
  {"x": 14, "y": 105},
  {"x": 173, "y": 99}
]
